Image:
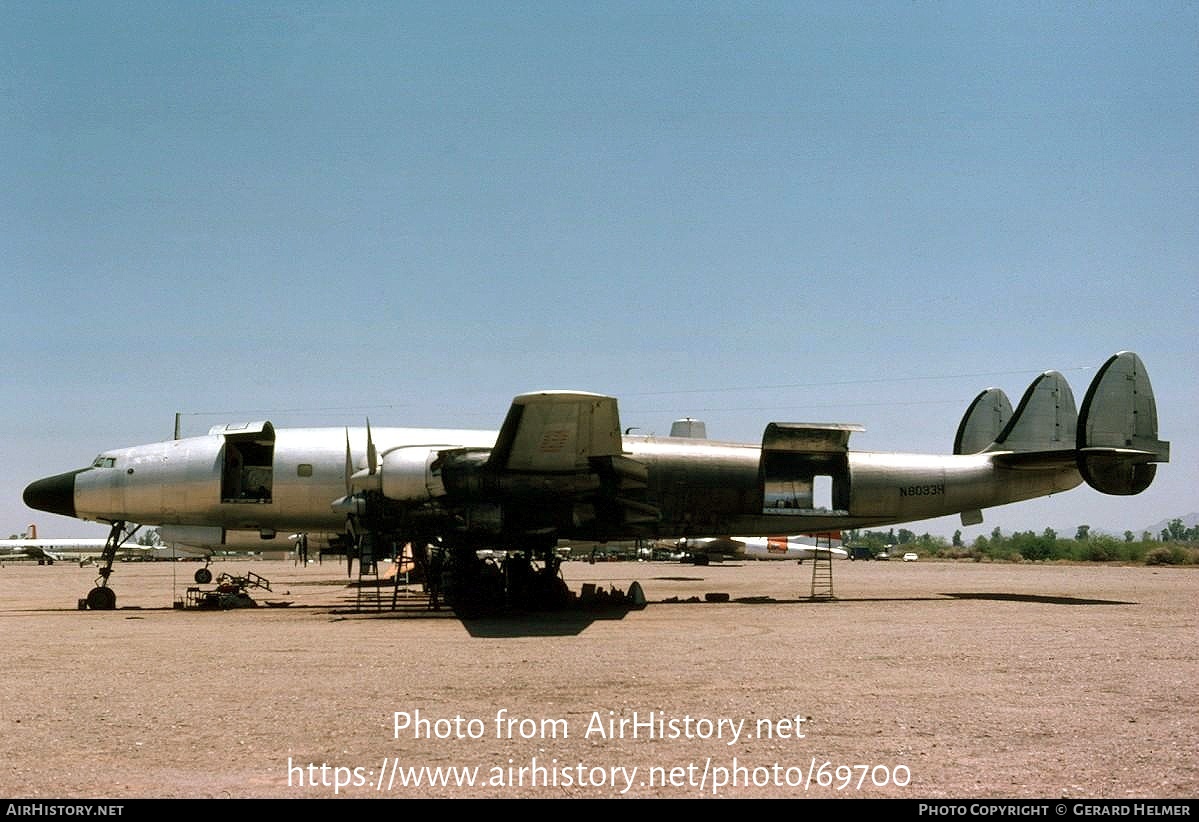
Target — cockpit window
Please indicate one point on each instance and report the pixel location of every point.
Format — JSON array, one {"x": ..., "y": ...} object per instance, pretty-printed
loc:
[{"x": 103, "y": 461}]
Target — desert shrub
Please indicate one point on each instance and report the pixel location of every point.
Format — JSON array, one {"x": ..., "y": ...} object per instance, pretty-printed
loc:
[
  {"x": 957, "y": 552},
  {"x": 1135, "y": 551},
  {"x": 1030, "y": 546},
  {"x": 1102, "y": 549},
  {"x": 1165, "y": 555}
]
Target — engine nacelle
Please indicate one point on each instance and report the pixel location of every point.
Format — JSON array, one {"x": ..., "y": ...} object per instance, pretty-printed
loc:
[{"x": 409, "y": 475}]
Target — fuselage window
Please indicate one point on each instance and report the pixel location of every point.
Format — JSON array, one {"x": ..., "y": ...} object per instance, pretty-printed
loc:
[{"x": 304, "y": 469}]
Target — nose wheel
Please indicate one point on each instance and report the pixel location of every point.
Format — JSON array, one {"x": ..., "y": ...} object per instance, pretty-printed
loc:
[{"x": 103, "y": 598}]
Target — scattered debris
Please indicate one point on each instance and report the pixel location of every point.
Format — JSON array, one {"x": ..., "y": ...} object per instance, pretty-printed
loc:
[
  {"x": 230, "y": 592},
  {"x": 593, "y": 597}
]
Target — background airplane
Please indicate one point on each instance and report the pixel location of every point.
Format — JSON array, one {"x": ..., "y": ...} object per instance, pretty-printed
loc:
[
  {"x": 798, "y": 547},
  {"x": 49, "y": 551},
  {"x": 560, "y": 467}
]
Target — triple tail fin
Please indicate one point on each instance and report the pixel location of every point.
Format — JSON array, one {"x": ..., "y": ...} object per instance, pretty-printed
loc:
[{"x": 1113, "y": 440}]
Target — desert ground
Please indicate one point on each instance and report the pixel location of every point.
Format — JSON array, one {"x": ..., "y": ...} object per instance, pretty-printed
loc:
[{"x": 919, "y": 680}]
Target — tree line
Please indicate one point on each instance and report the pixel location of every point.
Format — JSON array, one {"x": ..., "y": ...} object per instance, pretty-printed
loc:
[{"x": 1174, "y": 545}]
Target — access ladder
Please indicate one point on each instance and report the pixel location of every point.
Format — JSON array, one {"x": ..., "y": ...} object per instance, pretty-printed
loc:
[
  {"x": 371, "y": 584},
  {"x": 822, "y": 568}
]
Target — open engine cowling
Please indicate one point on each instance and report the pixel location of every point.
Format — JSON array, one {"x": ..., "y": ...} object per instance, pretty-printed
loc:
[{"x": 412, "y": 474}]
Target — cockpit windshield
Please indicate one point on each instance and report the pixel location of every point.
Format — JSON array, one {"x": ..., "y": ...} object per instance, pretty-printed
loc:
[{"x": 104, "y": 461}]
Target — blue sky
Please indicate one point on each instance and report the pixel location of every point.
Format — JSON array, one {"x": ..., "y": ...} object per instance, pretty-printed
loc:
[{"x": 743, "y": 212}]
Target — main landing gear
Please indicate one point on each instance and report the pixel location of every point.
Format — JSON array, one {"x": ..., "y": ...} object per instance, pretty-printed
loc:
[{"x": 485, "y": 582}]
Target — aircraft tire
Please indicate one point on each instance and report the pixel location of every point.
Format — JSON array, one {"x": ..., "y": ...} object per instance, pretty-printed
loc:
[
  {"x": 203, "y": 576},
  {"x": 471, "y": 587},
  {"x": 552, "y": 593},
  {"x": 101, "y": 598}
]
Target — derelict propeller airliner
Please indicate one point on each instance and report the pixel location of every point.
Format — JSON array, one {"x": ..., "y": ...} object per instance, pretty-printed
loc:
[{"x": 560, "y": 467}]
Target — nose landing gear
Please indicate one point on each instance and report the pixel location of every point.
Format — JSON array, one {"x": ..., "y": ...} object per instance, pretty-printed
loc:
[{"x": 103, "y": 598}]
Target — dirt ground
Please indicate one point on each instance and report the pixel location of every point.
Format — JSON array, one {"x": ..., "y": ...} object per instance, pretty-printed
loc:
[{"x": 920, "y": 680}]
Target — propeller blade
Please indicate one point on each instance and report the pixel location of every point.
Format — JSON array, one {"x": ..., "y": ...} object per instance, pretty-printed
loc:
[
  {"x": 349, "y": 464},
  {"x": 372, "y": 456}
]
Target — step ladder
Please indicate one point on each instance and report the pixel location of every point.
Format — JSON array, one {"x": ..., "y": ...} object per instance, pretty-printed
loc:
[
  {"x": 374, "y": 594},
  {"x": 822, "y": 569},
  {"x": 370, "y": 598}
]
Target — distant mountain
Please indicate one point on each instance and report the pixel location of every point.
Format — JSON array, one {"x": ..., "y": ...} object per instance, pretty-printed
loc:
[{"x": 1190, "y": 521}]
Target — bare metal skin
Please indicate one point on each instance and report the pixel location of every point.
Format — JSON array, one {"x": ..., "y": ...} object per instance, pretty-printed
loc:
[{"x": 559, "y": 468}]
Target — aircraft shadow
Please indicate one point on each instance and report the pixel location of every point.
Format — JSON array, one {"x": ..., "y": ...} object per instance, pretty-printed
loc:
[
  {"x": 1046, "y": 600},
  {"x": 996, "y": 597},
  {"x": 574, "y": 622},
  {"x": 556, "y": 623},
  {"x": 567, "y": 622},
  {"x": 509, "y": 626}
]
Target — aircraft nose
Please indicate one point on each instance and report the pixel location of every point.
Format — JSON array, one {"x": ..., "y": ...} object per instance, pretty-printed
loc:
[{"x": 55, "y": 494}]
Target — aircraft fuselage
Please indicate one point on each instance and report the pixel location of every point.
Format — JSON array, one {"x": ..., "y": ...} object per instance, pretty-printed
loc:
[
  {"x": 559, "y": 467},
  {"x": 699, "y": 487}
]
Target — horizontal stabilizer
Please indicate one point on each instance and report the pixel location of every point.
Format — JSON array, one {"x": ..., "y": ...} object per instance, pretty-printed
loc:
[
  {"x": 983, "y": 422},
  {"x": 1117, "y": 429},
  {"x": 1045, "y": 420}
]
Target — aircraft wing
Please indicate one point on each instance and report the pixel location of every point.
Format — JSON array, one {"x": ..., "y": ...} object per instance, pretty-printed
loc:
[
  {"x": 557, "y": 431},
  {"x": 567, "y": 446}
]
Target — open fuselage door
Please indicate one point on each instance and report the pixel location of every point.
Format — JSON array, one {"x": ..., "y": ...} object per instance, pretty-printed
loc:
[
  {"x": 805, "y": 469},
  {"x": 247, "y": 462}
]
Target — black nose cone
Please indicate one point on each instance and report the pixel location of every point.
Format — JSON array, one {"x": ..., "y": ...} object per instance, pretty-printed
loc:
[{"x": 55, "y": 494}]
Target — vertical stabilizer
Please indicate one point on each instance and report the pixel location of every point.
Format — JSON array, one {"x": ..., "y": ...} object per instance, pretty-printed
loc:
[
  {"x": 1045, "y": 420},
  {"x": 1117, "y": 429},
  {"x": 983, "y": 422}
]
